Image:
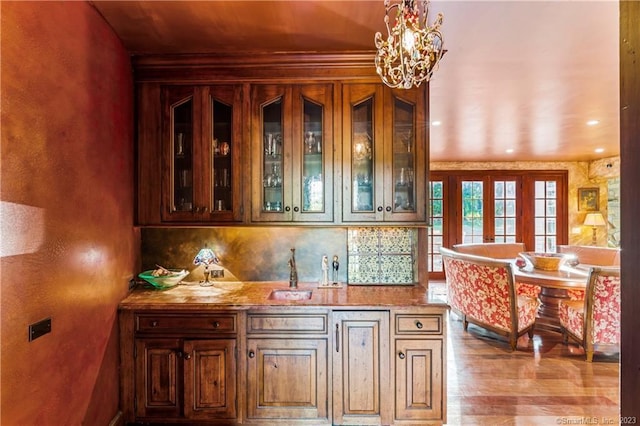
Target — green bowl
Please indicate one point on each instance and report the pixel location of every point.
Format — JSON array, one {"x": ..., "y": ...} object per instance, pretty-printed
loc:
[{"x": 164, "y": 281}]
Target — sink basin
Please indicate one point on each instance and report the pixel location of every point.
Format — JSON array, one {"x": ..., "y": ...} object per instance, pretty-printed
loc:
[{"x": 290, "y": 295}]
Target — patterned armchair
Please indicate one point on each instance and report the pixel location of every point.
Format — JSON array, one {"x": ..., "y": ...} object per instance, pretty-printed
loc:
[
  {"x": 500, "y": 251},
  {"x": 482, "y": 291},
  {"x": 591, "y": 255},
  {"x": 595, "y": 321}
]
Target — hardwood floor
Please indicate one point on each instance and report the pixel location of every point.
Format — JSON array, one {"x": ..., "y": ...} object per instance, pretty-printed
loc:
[{"x": 544, "y": 382}]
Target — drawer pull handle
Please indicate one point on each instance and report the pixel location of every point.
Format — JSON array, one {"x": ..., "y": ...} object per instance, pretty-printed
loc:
[
  {"x": 337, "y": 338},
  {"x": 401, "y": 355},
  {"x": 216, "y": 324},
  {"x": 154, "y": 323},
  {"x": 252, "y": 354},
  {"x": 419, "y": 325}
]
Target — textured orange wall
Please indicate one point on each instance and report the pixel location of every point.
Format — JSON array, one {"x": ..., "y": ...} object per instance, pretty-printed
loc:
[{"x": 68, "y": 241}]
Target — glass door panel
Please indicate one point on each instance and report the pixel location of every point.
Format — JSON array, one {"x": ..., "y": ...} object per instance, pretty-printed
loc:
[
  {"x": 362, "y": 155},
  {"x": 435, "y": 233},
  {"x": 222, "y": 147},
  {"x": 404, "y": 193},
  {"x": 472, "y": 211},
  {"x": 545, "y": 216},
  {"x": 312, "y": 159},
  {"x": 272, "y": 158},
  {"x": 182, "y": 156},
  {"x": 504, "y": 211}
]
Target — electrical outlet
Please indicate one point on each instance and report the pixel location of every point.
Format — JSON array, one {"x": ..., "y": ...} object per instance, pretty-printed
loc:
[{"x": 39, "y": 328}]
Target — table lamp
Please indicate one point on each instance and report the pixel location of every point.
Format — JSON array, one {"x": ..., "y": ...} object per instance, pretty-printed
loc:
[
  {"x": 206, "y": 257},
  {"x": 594, "y": 220}
]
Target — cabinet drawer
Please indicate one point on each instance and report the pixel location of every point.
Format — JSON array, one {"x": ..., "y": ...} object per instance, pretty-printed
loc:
[
  {"x": 186, "y": 323},
  {"x": 287, "y": 323},
  {"x": 418, "y": 324}
]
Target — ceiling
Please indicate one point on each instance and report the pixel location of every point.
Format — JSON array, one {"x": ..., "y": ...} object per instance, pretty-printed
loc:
[{"x": 520, "y": 75}]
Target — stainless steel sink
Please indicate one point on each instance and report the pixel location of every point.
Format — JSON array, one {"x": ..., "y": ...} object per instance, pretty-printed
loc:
[{"x": 290, "y": 295}]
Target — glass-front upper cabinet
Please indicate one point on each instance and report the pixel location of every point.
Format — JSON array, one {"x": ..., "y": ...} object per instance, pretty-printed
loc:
[
  {"x": 292, "y": 144},
  {"x": 200, "y": 173},
  {"x": 385, "y": 151}
]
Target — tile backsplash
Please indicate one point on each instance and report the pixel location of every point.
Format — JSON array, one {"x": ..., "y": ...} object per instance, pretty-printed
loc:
[{"x": 382, "y": 255}]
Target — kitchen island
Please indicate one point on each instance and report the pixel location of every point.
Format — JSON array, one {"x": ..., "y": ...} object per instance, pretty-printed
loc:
[{"x": 262, "y": 353}]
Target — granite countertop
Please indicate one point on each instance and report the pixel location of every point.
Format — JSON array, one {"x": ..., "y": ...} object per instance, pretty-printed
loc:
[{"x": 245, "y": 295}]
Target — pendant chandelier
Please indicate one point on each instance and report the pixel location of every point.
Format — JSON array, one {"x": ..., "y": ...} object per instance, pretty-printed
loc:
[{"x": 412, "y": 50}]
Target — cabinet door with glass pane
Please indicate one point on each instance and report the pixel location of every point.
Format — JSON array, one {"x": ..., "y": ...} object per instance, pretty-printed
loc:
[
  {"x": 362, "y": 179},
  {"x": 271, "y": 153},
  {"x": 312, "y": 166},
  {"x": 201, "y": 154},
  {"x": 406, "y": 148},
  {"x": 181, "y": 154},
  {"x": 222, "y": 136}
]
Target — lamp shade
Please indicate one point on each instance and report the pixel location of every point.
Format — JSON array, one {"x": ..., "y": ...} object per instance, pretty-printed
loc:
[
  {"x": 594, "y": 219},
  {"x": 205, "y": 256}
]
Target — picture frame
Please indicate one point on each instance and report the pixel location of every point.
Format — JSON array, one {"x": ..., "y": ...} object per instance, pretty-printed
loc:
[{"x": 588, "y": 199}]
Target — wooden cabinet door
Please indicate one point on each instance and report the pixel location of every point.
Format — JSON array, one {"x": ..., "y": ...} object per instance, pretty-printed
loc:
[
  {"x": 419, "y": 379},
  {"x": 158, "y": 378},
  {"x": 361, "y": 368},
  {"x": 362, "y": 142},
  {"x": 210, "y": 379},
  {"x": 287, "y": 379},
  {"x": 312, "y": 153},
  {"x": 271, "y": 153},
  {"x": 406, "y": 146}
]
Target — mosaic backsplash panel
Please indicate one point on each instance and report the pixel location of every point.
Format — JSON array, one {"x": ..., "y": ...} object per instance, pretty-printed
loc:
[{"x": 382, "y": 255}]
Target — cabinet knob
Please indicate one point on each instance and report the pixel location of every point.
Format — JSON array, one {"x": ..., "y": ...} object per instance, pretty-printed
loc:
[
  {"x": 419, "y": 325},
  {"x": 296, "y": 209},
  {"x": 216, "y": 324},
  {"x": 379, "y": 208},
  {"x": 154, "y": 323},
  {"x": 401, "y": 355},
  {"x": 287, "y": 208},
  {"x": 388, "y": 208},
  {"x": 187, "y": 356},
  {"x": 252, "y": 354}
]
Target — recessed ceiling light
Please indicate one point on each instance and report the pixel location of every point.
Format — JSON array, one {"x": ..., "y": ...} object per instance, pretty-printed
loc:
[
  {"x": 598, "y": 150},
  {"x": 509, "y": 151},
  {"x": 436, "y": 123},
  {"x": 592, "y": 122}
]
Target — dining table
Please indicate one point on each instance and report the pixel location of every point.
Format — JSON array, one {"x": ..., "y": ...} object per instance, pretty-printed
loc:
[{"x": 554, "y": 289}]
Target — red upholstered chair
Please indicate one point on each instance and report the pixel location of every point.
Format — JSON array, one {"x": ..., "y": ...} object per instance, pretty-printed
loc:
[
  {"x": 482, "y": 291},
  {"x": 500, "y": 251},
  {"x": 595, "y": 321},
  {"x": 593, "y": 256}
]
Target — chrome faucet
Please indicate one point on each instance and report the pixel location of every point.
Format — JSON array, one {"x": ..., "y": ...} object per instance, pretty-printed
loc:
[{"x": 293, "y": 272}]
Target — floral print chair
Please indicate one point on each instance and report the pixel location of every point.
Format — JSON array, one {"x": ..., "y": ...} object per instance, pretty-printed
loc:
[
  {"x": 591, "y": 255},
  {"x": 482, "y": 291},
  {"x": 500, "y": 251},
  {"x": 595, "y": 321}
]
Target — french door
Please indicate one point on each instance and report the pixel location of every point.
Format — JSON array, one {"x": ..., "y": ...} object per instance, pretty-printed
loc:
[{"x": 496, "y": 206}]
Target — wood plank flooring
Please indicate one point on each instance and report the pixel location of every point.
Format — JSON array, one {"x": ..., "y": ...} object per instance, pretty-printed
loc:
[{"x": 544, "y": 382}]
